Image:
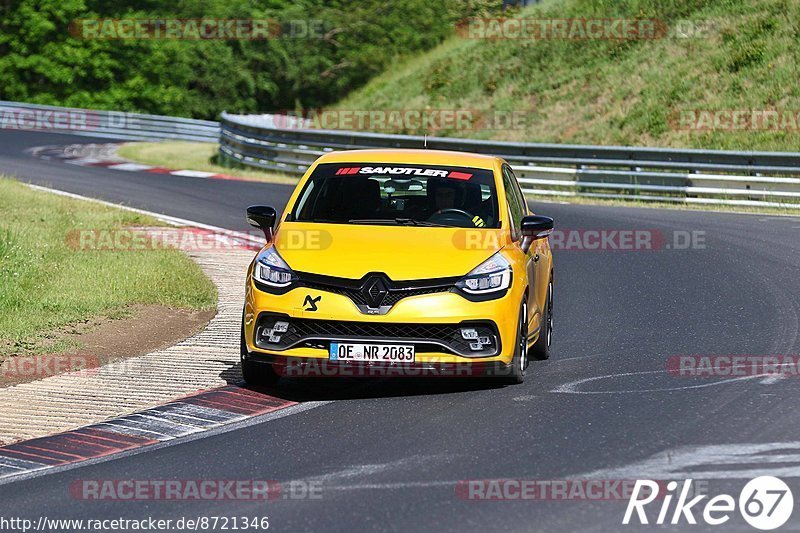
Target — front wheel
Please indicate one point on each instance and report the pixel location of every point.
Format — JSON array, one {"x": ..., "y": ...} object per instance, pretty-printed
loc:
[
  {"x": 519, "y": 362},
  {"x": 541, "y": 349}
]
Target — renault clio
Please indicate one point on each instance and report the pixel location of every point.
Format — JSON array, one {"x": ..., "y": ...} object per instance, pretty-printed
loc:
[{"x": 405, "y": 259}]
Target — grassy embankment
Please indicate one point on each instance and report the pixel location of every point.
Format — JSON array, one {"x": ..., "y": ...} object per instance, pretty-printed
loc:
[
  {"x": 744, "y": 55},
  {"x": 47, "y": 285}
]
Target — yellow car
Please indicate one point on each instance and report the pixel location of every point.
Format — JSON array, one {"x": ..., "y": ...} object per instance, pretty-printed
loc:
[{"x": 399, "y": 263}]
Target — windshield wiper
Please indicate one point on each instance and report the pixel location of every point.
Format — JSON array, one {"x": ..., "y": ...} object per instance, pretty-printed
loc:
[
  {"x": 414, "y": 222},
  {"x": 396, "y": 221}
]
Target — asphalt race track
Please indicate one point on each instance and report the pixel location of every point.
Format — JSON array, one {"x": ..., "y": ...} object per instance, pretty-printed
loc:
[{"x": 389, "y": 453}]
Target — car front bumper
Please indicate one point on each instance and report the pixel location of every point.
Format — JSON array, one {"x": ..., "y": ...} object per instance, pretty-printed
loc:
[
  {"x": 307, "y": 367},
  {"x": 431, "y": 322}
]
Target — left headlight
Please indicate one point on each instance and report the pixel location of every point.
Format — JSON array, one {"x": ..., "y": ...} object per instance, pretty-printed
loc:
[
  {"x": 271, "y": 270},
  {"x": 493, "y": 275}
]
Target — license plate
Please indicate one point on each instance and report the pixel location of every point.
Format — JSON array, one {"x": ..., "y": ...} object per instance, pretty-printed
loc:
[{"x": 379, "y": 353}]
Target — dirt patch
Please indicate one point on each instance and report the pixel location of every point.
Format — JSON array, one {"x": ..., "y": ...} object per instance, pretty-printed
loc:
[{"x": 102, "y": 341}]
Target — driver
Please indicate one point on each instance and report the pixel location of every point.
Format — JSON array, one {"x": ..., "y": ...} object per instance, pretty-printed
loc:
[{"x": 445, "y": 196}]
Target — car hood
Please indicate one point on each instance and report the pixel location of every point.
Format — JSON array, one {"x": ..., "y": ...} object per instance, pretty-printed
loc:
[{"x": 401, "y": 252}]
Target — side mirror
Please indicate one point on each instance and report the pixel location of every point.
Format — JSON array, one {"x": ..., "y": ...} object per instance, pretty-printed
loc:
[
  {"x": 535, "y": 227},
  {"x": 262, "y": 217}
]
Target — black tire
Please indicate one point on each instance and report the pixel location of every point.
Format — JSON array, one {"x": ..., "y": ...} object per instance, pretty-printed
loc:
[
  {"x": 541, "y": 348},
  {"x": 519, "y": 363},
  {"x": 257, "y": 374}
]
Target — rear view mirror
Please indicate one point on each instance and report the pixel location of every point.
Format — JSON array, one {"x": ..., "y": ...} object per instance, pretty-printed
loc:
[
  {"x": 534, "y": 227},
  {"x": 262, "y": 217}
]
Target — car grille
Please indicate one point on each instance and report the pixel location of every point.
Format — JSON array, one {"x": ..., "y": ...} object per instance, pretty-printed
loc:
[
  {"x": 395, "y": 296},
  {"x": 304, "y": 332},
  {"x": 358, "y": 292},
  {"x": 391, "y": 298}
]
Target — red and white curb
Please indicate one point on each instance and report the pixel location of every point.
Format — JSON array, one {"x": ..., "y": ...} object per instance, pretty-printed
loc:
[
  {"x": 104, "y": 155},
  {"x": 65, "y": 420},
  {"x": 193, "y": 414}
]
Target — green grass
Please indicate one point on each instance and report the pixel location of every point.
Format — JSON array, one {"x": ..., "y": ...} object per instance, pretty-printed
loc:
[
  {"x": 612, "y": 92},
  {"x": 45, "y": 284},
  {"x": 180, "y": 155}
]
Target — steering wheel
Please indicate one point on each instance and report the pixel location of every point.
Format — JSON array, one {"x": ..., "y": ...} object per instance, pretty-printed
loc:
[{"x": 443, "y": 213}]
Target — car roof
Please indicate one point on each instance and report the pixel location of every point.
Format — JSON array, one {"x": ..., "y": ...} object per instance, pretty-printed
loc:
[{"x": 405, "y": 156}]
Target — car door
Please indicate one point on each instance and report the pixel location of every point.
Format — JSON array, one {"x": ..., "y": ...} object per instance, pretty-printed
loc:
[
  {"x": 516, "y": 210},
  {"x": 538, "y": 255}
]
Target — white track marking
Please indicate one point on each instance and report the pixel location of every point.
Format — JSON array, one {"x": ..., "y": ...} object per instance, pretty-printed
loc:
[
  {"x": 715, "y": 461},
  {"x": 338, "y": 479},
  {"x": 572, "y": 386},
  {"x": 82, "y": 161},
  {"x": 193, "y": 173},
  {"x": 524, "y": 398},
  {"x": 131, "y": 167},
  {"x": 393, "y": 486}
]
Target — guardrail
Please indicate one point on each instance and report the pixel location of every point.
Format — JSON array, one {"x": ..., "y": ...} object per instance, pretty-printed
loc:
[
  {"x": 767, "y": 179},
  {"x": 107, "y": 124}
]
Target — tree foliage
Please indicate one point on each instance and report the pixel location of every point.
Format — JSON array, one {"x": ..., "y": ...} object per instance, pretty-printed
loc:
[{"x": 326, "y": 49}]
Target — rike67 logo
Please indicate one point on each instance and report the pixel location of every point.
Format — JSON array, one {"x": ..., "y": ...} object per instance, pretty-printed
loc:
[{"x": 765, "y": 503}]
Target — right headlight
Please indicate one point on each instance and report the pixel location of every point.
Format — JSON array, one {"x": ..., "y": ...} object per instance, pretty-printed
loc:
[
  {"x": 493, "y": 275},
  {"x": 271, "y": 270}
]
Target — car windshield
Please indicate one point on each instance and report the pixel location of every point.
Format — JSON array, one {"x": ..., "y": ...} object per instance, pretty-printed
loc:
[{"x": 395, "y": 194}]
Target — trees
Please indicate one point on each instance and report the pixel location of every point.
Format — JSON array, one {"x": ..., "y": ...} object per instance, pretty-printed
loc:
[{"x": 326, "y": 49}]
